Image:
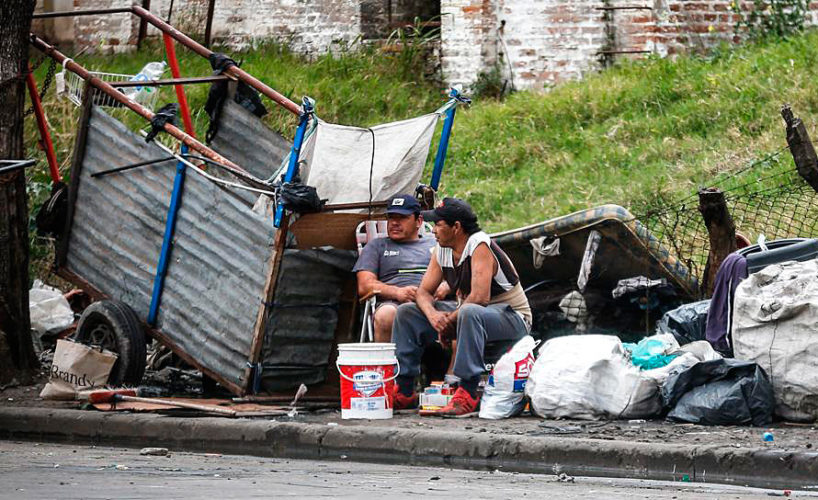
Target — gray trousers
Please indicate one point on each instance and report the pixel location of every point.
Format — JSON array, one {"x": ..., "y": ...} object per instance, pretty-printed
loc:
[{"x": 476, "y": 325}]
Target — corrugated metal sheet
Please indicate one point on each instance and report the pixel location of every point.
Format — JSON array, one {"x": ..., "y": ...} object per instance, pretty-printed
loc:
[
  {"x": 215, "y": 280},
  {"x": 119, "y": 219},
  {"x": 245, "y": 139},
  {"x": 300, "y": 330}
]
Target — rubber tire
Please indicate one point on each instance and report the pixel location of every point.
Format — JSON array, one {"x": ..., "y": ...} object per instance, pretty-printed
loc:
[{"x": 128, "y": 339}]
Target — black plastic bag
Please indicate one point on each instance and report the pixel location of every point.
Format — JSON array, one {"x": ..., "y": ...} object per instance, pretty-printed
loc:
[
  {"x": 245, "y": 95},
  {"x": 687, "y": 323},
  {"x": 166, "y": 114},
  {"x": 300, "y": 198},
  {"x": 51, "y": 218},
  {"x": 720, "y": 392}
]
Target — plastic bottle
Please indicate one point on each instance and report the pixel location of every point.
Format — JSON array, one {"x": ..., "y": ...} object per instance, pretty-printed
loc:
[{"x": 151, "y": 71}]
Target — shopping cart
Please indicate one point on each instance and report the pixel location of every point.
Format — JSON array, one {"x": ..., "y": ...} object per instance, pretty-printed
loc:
[{"x": 145, "y": 96}]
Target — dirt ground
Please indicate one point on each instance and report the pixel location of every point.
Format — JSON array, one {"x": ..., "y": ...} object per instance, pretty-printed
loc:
[{"x": 788, "y": 436}]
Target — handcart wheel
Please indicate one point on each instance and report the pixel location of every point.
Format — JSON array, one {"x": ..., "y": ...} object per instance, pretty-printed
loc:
[{"x": 114, "y": 326}]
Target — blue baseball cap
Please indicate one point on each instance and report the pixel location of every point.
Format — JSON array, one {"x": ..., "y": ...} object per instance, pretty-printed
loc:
[{"x": 403, "y": 204}]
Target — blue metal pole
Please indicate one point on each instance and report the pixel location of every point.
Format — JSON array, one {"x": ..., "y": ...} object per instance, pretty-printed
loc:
[
  {"x": 292, "y": 168},
  {"x": 170, "y": 226},
  {"x": 440, "y": 159}
]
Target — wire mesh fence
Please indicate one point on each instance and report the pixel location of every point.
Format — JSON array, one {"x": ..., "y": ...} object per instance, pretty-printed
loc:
[{"x": 767, "y": 197}]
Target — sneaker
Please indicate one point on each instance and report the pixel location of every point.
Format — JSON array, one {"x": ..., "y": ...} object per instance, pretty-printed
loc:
[
  {"x": 460, "y": 404},
  {"x": 402, "y": 402}
]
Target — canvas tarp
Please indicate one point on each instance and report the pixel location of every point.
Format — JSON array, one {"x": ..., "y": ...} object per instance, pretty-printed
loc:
[{"x": 351, "y": 164}]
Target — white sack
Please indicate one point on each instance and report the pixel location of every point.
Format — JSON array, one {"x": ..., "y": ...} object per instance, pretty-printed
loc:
[
  {"x": 504, "y": 395},
  {"x": 775, "y": 324},
  {"x": 49, "y": 310},
  {"x": 337, "y": 159},
  {"x": 591, "y": 377}
]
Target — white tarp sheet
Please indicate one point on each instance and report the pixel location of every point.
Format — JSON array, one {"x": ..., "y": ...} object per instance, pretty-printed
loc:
[
  {"x": 775, "y": 324},
  {"x": 338, "y": 160}
]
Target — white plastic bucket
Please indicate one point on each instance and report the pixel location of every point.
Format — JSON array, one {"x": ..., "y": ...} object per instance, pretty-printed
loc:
[{"x": 368, "y": 373}]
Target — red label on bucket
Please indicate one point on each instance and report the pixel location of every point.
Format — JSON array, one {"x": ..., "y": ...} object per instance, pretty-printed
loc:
[{"x": 367, "y": 387}]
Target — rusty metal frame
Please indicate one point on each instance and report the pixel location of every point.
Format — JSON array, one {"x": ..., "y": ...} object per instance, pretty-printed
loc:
[
  {"x": 185, "y": 137},
  {"x": 147, "y": 17},
  {"x": 96, "y": 84}
]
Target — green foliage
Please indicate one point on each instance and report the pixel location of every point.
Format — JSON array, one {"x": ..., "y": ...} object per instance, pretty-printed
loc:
[
  {"x": 413, "y": 45},
  {"x": 770, "y": 18},
  {"x": 652, "y": 129},
  {"x": 641, "y": 129},
  {"x": 490, "y": 84}
]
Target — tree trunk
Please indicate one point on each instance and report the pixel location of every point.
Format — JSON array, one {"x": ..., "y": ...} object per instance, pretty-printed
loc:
[
  {"x": 722, "y": 233},
  {"x": 15, "y": 335}
]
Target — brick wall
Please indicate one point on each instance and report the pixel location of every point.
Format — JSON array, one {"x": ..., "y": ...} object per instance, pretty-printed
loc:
[
  {"x": 535, "y": 43},
  {"x": 468, "y": 39},
  {"x": 541, "y": 42},
  {"x": 309, "y": 26}
]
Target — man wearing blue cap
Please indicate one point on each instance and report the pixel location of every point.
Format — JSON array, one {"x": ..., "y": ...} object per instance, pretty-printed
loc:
[{"x": 394, "y": 266}]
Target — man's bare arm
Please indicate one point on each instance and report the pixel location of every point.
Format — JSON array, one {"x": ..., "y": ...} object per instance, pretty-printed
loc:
[
  {"x": 368, "y": 282},
  {"x": 431, "y": 280}
]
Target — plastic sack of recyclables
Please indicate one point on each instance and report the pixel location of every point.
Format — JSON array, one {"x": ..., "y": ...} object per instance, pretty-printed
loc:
[
  {"x": 49, "y": 310},
  {"x": 775, "y": 317},
  {"x": 591, "y": 377},
  {"x": 504, "y": 394},
  {"x": 652, "y": 352}
]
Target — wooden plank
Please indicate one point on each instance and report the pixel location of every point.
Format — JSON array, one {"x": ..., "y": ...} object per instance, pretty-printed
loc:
[
  {"x": 327, "y": 229},
  {"x": 274, "y": 267},
  {"x": 76, "y": 169}
]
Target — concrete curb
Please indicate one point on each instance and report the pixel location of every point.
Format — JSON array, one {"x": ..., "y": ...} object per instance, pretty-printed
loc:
[{"x": 548, "y": 455}]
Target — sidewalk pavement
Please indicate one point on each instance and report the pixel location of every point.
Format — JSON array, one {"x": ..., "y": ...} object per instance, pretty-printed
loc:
[{"x": 641, "y": 450}]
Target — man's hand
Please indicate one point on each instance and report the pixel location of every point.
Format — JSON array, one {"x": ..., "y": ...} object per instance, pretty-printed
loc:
[
  {"x": 442, "y": 291},
  {"x": 406, "y": 294},
  {"x": 445, "y": 324}
]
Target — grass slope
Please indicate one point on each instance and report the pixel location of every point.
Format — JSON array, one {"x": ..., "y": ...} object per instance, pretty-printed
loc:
[{"x": 657, "y": 126}]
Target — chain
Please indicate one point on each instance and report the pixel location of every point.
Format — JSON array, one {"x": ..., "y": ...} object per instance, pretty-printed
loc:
[{"x": 49, "y": 76}]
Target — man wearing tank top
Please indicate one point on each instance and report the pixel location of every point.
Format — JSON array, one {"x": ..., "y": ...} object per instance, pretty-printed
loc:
[{"x": 491, "y": 305}]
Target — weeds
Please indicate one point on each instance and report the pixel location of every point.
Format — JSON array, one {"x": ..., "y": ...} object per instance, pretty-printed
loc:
[{"x": 770, "y": 18}]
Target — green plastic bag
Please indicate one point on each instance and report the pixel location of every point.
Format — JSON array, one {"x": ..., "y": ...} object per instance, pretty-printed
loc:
[{"x": 649, "y": 353}]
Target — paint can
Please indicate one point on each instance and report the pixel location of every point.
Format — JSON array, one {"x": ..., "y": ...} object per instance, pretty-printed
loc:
[{"x": 368, "y": 372}]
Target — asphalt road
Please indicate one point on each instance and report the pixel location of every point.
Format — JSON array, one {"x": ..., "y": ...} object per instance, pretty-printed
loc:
[{"x": 35, "y": 470}]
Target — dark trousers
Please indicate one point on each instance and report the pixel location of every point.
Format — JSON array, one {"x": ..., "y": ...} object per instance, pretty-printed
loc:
[{"x": 476, "y": 325}]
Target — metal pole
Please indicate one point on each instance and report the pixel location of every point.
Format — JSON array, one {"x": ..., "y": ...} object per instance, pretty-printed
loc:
[
  {"x": 147, "y": 114},
  {"x": 440, "y": 158},
  {"x": 292, "y": 168},
  {"x": 209, "y": 23},
  {"x": 171, "y": 81},
  {"x": 7, "y": 166},
  {"x": 170, "y": 50},
  {"x": 42, "y": 126},
  {"x": 205, "y": 52},
  {"x": 143, "y": 25},
  {"x": 76, "y": 13},
  {"x": 167, "y": 241}
]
